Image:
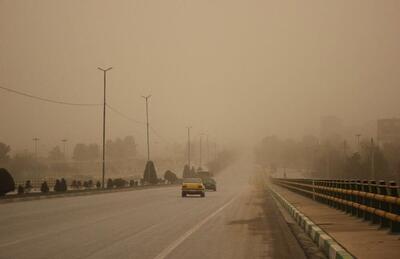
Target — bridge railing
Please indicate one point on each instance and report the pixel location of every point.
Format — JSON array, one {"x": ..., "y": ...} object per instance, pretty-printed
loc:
[{"x": 378, "y": 202}]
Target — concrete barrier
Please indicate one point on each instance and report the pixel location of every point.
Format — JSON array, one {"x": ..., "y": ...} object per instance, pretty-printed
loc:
[{"x": 325, "y": 242}]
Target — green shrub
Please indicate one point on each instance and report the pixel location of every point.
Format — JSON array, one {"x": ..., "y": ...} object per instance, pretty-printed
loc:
[
  {"x": 110, "y": 184},
  {"x": 150, "y": 174},
  {"x": 44, "y": 188},
  {"x": 21, "y": 189},
  {"x": 7, "y": 183},
  {"x": 119, "y": 182},
  {"x": 170, "y": 176}
]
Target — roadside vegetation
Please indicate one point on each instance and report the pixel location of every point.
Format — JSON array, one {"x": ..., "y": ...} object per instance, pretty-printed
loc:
[{"x": 333, "y": 159}]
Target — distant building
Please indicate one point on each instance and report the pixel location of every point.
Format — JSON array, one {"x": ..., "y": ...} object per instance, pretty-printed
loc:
[
  {"x": 331, "y": 129},
  {"x": 388, "y": 131}
]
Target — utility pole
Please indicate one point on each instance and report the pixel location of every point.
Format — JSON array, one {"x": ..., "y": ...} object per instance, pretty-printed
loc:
[
  {"x": 358, "y": 142},
  {"x": 104, "y": 124},
  {"x": 201, "y": 142},
  {"x": 208, "y": 150},
  {"x": 215, "y": 150},
  {"x": 147, "y": 123},
  {"x": 188, "y": 145},
  {"x": 35, "y": 141},
  {"x": 372, "y": 159},
  {"x": 64, "y": 141}
]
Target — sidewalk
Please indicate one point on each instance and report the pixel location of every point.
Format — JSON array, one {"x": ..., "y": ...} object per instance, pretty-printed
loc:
[{"x": 360, "y": 238}]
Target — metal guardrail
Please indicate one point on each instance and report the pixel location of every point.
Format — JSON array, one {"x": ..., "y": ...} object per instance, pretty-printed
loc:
[{"x": 372, "y": 201}]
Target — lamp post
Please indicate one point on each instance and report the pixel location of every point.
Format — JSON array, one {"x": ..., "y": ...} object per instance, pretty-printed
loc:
[
  {"x": 358, "y": 141},
  {"x": 147, "y": 124},
  {"x": 64, "y": 141},
  {"x": 35, "y": 141},
  {"x": 104, "y": 124},
  {"x": 372, "y": 159},
  {"x": 188, "y": 144}
]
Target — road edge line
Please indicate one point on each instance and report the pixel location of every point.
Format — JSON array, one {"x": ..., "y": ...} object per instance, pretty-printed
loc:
[
  {"x": 171, "y": 247},
  {"x": 325, "y": 242}
]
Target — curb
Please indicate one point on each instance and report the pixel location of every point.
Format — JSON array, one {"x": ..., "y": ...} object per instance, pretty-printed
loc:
[
  {"x": 79, "y": 193},
  {"x": 326, "y": 243}
]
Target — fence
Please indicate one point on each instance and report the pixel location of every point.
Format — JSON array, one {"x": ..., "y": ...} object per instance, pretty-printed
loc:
[{"x": 372, "y": 201}]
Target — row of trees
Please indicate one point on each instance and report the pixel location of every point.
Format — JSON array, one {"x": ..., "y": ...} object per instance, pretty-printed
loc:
[
  {"x": 330, "y": 159},
  {"x": 85, "y": 158}
]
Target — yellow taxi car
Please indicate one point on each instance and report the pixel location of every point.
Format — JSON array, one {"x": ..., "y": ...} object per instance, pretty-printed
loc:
[{"x": 193, "y": 186}]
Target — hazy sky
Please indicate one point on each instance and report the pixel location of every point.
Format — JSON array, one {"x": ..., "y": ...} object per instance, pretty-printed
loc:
[{"x": 238, "y": 69}]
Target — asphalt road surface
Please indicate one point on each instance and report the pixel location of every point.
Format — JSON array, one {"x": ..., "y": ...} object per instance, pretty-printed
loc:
[{"x": 237, "y": 221}]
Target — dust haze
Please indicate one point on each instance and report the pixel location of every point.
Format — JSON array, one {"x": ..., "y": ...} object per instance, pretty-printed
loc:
[{"x": 236, "y": 70}]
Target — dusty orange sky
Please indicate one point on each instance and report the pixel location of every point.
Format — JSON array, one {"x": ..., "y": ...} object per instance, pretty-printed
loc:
[{"x": 238, "y": 70}]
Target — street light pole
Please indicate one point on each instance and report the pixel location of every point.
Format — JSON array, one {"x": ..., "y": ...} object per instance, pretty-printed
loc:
[
  {"x": 147, "y": 123},
  {"x": 104, "y": 124},
  {"x": 35, "y": 141},
  {"x": 358, "y": 142},
  {"x": 208, "y": 150},
  {"x": 188, "y": 145},
  {"x": 372, "y": 159},
  {"x": 201, "y": 141},
  {"x": 64, "y": 141}
]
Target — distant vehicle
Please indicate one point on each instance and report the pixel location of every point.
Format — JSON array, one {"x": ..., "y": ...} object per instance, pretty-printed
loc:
[
  {"x": 210, "y": 184},
  {"x": 204, "y": 174},
  {"x": 193, "y": 186}
]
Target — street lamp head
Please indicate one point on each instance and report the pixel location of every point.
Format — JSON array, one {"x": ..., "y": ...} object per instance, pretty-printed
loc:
[{"x": 104, "y": 70}]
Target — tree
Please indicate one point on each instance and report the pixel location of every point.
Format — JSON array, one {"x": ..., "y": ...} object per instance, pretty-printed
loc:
[
  {"x": 193, "y": 172},
  {"x": 7, "y": 183},
  {"x": 186, "y": 172},
  {"x": 4, "y": 152},
  {"x": 25, "y": 165},
  {"x": 21, "y": 189},
  {"x": 57, "y": 186},
  {"x": 354, "y": 167},
  {"x": 170, "y": 176},
  {"x": 55, "y": 154},
  {"x": 63, "y": 185},
  {"x": 44, "y": 188},
  {"x": 119, "y": 182},
  {"x": 110, "y": 184},
  {"x": 28, "y": 186},
  {"x": 150, "y": 173},
  {"x": 84, "y": 152}
]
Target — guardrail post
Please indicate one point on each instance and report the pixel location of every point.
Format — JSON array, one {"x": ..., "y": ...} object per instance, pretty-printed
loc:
[
  {"x": 342, "y": 195},
  {"x": 330, "y": 193},
  {"x": 394, "y": 208},
  {"x": 383, "y": 205},
  {"x": 313, "y": 190},
  {"x": 334, "y": 194},
  {"x": 316, "y": 190},
  {"x": 353, "y": 197},
  {"x": 366, "y": 200},
  {"x": 347, "y": 195},
  {"x": 374, "y": 203},
  {"x": 360, "y": 213}
]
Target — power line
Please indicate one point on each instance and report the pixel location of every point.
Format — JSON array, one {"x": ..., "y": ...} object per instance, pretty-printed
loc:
[
  {"x": 138, "y": 122},
  {"x": 46, "y": 99},
  {"x": 124, "y": 115},
  {"x": 161, "y": 137}
]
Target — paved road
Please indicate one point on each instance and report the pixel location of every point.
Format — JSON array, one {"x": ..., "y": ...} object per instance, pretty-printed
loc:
[{"x": 237, "y": 221}]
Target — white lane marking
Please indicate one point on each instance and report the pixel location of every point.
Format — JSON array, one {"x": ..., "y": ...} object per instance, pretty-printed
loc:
[{"x": 164, "y": 253}]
